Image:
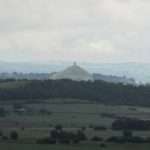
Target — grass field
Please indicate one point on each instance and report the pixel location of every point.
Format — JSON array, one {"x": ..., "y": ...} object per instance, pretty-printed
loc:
[
  {"x": 72, "y": 116},
  {"x": 13, "y": 84},
  {"x": 69, "y": 115},
  {"x": 74, "y": 147}
]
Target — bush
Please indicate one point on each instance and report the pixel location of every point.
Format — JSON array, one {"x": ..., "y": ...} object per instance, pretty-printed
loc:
[
  {"x": 136, "y": 139},
  {"x": 81, "y": 136},
  {"x": 22, "y": 128},
  {"x": 103, "y": 145},
  {"x": 46, "y": 141},
  {"x": 4, "y": 138},
  {"x": 75, "y": 141},
  {"x": 83, "y": 128},
  {"x": 65, "y": 141},
  {"x": 133, "y": 139},
  {"x": 2, "y": 112},
  {"x": 17, "y": 106},
  {"x": 45, "y": 112},
  {"x": 58, "y": 127},
  {"x": 131, "y": 124},
  {"x": 91, "y": 126},
  {"x": 99, "y": 128},
  {"x": 54, "y": 134},
  {"x": 147, "y": 140},
  {"x": 67, "y": 137},
  {"x": 127, "y": 134},
  {"x": 14, "y": 135},
  {"x": 97, "y": 139},
  {"x": 1, "y": 133},
  {"x": 114, "y": 139}
]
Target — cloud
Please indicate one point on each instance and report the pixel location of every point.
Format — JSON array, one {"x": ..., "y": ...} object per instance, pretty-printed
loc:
[{"x": 97, "y": 30}]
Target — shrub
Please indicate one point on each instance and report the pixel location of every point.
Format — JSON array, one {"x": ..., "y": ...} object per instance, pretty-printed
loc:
[
  {"x": 75, "y": 141},
  {"x": 81, "y": 136},
  {"x": 58, "y": 127},
  {"x": 45, "y": 112},
  {"x": 83, "y": 128},
  {"x": 112, "y": 139},
  {"x": 1, "y": 133},
  {"x": 4, "y": 138},
  {"x": 131, "y": 124},
  {"x": 99, "y": 128},
  {"x": 14, "y": 135},
  {"x": 65, "y": 141},
  {"x": 136, "y": 139},
  {"x": 103, "y": 145},
  {"x": 90, "y": 126},
  {"x": 54, "y": 134},
  {"x": 2, "y": 112},
  {"x": 97, "y": 139},
  {"x": 46, "y": 141},
  {"x": 133, "y": 139},
  {"x": 17, "y": 106},
  {"x": 62, "y": 136},
  {"x": 127, "y": 134}
]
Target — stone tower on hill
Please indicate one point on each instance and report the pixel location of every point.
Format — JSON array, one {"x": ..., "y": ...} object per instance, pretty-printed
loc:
[{"x": 73, "y": 72}]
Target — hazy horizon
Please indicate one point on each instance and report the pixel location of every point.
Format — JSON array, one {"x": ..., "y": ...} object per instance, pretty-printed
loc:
[{"x": 139, "y": 71}]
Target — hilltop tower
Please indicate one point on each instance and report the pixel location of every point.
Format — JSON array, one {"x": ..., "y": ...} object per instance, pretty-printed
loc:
[{"x": 73, "y": 72}]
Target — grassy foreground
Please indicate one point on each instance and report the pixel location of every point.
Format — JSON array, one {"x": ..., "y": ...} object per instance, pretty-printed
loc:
[{"x": 9, "y": 146}]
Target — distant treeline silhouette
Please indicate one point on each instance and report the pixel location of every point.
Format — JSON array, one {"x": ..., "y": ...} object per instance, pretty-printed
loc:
[{"x": 97, "y": 91}]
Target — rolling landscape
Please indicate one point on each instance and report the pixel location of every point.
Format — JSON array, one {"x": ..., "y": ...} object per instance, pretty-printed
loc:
[
  {"x": 74, "y": 75},
  {"x": 38, "y": 114},
  {"x": 73, "y": 109}
]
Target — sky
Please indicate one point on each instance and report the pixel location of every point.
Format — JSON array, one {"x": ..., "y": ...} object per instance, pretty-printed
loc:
[{"x": 75, "y": 30}]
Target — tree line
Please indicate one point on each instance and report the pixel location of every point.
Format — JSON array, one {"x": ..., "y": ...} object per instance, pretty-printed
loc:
[{"x": 97, "y": 91}]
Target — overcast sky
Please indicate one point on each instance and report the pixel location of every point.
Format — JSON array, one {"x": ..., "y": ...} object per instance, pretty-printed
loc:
[{"x": 75, "y": 30}]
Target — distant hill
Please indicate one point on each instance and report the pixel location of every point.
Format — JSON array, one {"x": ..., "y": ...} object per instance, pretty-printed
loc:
[
  {"x": 73, "y": 72},
  {"x": 46, "y": 76},
  {"x": 139, "y": 71},
  {"x": 114, "y": 79}
]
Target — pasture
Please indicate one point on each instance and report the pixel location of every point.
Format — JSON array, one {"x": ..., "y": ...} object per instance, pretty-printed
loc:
[
  {"x": 7, "y": 146},
  {"x": 35, "y": 120}
]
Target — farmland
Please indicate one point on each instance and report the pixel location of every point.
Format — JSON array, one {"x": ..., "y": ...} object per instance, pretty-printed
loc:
[
  {"x": 74, "y": 147},
  {"x": 33, "y": 121}
]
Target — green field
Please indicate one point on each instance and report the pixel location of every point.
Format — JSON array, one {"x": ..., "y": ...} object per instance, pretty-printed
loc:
[
  {"x": 74, "y": 115},
  {"x": 38, "y": 119},
  {"x": 75, "y": 147}
]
